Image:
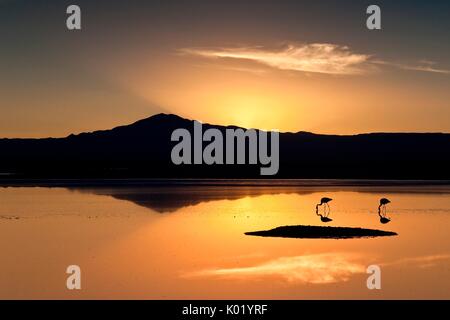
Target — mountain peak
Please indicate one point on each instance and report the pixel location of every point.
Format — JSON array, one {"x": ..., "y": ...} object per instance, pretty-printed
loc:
[{"x": 162, "y": 117}]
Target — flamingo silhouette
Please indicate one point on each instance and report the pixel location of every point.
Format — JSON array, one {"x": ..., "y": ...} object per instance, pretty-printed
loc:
[
  {"x": 382, "y": 210},
  {"x": 324, "y": 201}
]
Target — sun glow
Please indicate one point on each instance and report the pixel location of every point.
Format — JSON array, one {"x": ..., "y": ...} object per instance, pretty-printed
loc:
[{"x": 251, "y": 111}]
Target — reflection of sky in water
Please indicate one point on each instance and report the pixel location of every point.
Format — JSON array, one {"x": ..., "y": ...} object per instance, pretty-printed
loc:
[
  {"x": 316, "y": 269},
  {"x": 420, "y": 262},
  {"x": 319, "y": 268}
]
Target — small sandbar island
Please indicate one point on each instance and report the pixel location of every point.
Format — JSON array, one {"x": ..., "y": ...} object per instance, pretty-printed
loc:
[{"x": 318, "y": 232}]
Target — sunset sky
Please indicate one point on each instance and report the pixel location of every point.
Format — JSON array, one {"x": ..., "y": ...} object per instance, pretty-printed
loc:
[{"x": 286, "y": 65}]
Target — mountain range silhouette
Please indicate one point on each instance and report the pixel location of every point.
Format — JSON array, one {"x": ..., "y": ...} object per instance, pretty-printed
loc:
[{"x": 143, "y": 149}]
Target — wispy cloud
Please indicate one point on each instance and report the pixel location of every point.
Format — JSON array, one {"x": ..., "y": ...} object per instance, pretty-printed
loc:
[
  {"x": 317, "y": 57},
  {"x": 428, "y": 67},
  {"x": 325, "y": 58},
  {"x": 423, "y": 65}
]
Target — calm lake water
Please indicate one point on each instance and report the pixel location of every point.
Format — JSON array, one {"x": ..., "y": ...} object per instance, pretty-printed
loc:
[{"x": 188, "y": 242}]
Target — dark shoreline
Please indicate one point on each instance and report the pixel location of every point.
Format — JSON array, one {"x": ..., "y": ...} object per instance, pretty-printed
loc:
[
  {"x": 254, "y": 183},
  {"x": 12, "y": 182}
]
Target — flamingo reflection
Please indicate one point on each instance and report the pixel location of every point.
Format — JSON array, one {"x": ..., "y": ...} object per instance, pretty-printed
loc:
[
  {"x": 382, "y": 210},
  {"x": 326, "y": 210}
]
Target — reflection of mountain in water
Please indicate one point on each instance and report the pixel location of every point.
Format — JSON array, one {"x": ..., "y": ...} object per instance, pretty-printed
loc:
[
  {"x": 174, "y": 195},
  {"x": 170, "y": 199}
]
